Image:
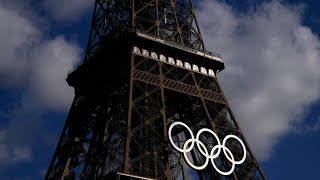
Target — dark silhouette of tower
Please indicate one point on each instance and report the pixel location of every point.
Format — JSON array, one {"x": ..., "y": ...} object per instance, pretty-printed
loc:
[{"x": 146, "y": 68}]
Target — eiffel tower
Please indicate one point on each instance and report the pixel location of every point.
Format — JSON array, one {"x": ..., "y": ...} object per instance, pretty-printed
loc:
[{"x": 145, "y": 88}]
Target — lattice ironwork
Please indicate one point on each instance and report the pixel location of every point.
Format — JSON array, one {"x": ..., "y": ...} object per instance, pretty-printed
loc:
[
  {"x": 173, "y": 21},
  {"x": 125, "y": 101},
  {"x": 179, "y": 86}
]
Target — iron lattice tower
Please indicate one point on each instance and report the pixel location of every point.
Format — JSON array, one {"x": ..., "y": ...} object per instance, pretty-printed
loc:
[{"x": 146, "y": 67}]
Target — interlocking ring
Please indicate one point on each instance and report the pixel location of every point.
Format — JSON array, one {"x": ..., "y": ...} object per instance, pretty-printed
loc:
[{"x": 204, "y": 151}]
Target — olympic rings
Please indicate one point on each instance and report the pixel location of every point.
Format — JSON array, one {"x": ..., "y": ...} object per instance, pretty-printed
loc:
[
  {"x": 204, "y": 151},
  {"x": 170, "y": 138}
]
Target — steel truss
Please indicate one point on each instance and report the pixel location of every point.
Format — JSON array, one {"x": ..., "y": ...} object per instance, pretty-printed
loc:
[
  {"x": 124, "y": 102},
  {"x": 173, "y": 21}
]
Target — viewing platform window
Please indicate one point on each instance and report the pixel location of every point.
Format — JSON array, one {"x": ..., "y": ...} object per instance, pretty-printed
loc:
[
  {"x": 187, "y": 65},
  {"x": 145, "y": 52},
  {"x": 136, "y": 50},
  {"x": 154, "y": 55},
  {"x": 211, "y": 73},
  {"x": 171, "y": 60},
  {"x": 163, "y": 58},
  {"x": 203, "y": 70},
  {"x": 179, "y": 63},
  {"x": 195, "y": 67}
]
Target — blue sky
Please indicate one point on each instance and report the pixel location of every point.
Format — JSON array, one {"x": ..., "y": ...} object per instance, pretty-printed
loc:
[{"x": 272, "y": 55}]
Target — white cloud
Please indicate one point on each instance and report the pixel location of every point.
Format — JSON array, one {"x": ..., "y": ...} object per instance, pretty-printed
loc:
[
  {"x": 272, "y": 64},
  {"x": 17, "y": 37},
  {"x": 271, "y": 74},
  {"x": 52, "y": 61},
  {"x": 38, "y": 66},
  {"x": 65, "y": 10}
]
